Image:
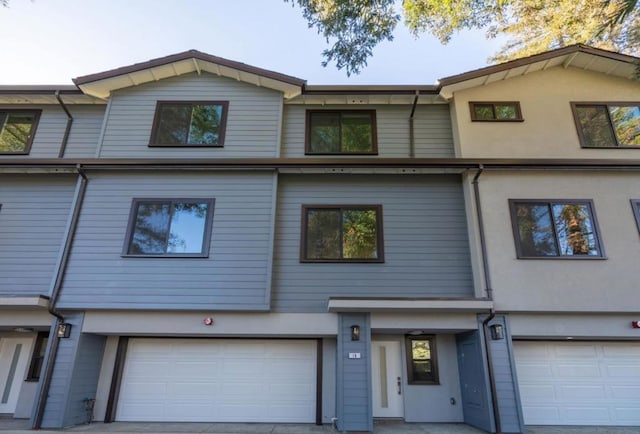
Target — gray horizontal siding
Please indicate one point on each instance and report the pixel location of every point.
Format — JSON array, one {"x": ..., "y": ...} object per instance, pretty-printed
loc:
[
  {"x": 33, "y": 218},
  {"x": 425, "y": 241},
  {"x": 83, "y": 137},
  {"x": 234, "y": 275},
  {"x": 432, "y": 130},
  {"x": 253, "y": 120}
]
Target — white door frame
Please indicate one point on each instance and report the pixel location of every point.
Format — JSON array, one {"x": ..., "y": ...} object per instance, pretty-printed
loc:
[
  {"x": 14, "y": 359},
  {"x": 386, "y": 383}
]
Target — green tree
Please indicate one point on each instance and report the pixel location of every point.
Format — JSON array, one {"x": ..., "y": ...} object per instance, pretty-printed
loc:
[{"x": 355, "y": 27}]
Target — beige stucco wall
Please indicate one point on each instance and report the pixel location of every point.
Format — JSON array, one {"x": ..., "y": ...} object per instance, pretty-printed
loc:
[
  {"x": 548, "y": 130},
  {"x": 564, "y": 285}
]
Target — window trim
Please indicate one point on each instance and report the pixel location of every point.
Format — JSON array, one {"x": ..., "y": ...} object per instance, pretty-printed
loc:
[
  {"x": 379, "y": 234},
  {"x": 635, "y": 206},
  {"x": 581, "y": 137},
  {"x": 156, "y": 125},
  {"x": 594, "y": 221},
  {"x": 374, "y": 132},
  {"x": 37, "y": 348},
  {"x": 208, "y": 228},
  {"x": 32, "y": 133},
  {"x": 434, "y": 359},
  {"x": 472, "y": 106}
]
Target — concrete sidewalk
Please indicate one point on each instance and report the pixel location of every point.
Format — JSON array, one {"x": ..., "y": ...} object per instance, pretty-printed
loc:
[{"x": 12, "y": 426}]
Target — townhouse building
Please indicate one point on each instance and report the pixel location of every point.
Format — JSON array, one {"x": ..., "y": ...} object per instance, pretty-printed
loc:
[{"x": 196, "y": 239}]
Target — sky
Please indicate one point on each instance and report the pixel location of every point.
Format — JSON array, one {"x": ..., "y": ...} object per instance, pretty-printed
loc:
[{"x": 53, "y": 41}]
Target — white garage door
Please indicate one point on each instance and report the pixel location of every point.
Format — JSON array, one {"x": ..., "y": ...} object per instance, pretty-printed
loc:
[
  {"x": 579, "y": 383},
  {"x": 221, "y": 380}
]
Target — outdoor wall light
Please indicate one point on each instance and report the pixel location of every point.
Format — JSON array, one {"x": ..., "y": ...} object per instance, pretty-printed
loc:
[
  {"x": 497, "y": 332},
  {"x": 64, "y": 330},
  {"x": 355, "y": 332}
]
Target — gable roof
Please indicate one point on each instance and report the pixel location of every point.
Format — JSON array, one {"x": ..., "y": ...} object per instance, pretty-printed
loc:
[
  {"x": 103, "y": 83},
  {"x": 577, "y": 56}
]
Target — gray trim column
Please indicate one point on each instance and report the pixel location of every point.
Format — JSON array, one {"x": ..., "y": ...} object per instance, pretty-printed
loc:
[{"x": 353, "y": 376}]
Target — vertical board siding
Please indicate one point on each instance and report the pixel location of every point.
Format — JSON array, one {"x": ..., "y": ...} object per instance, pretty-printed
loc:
[
  {"x": 84, "y": 382},
  {"x": 232, "y": 277},
  {"x": 354, "y": 375},
  {"x": 506, "y": 387},
  {"x": 253, "y": 120},
  {"x": 426, "y": 244},
  {"x": 33, "y": 217},
  {"x": 49, "y": 133},
  {"x": 432, "y": 130}
]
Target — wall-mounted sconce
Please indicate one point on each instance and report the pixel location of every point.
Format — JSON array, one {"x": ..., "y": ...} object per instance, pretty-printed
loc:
[
  {"x": 64, "y": 330},
  {"x": 497, "y": 332},
  {"x": 355, "y": 332}
]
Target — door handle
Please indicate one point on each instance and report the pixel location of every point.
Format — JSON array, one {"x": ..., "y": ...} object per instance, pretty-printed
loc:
[{"x": 399, "y": 386}]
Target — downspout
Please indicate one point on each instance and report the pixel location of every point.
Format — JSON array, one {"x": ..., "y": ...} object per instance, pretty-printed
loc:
[
  {"x": 412, "y": 144},
  {"x": 489, "y": 291},
  {"x": 55, "y": 293},
  {"x": 67, "y": 130}
]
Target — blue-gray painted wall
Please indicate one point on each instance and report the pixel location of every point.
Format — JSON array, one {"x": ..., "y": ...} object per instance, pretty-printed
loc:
[
  {"x": 432, "y": 129},
  {"x": 75, "y": 375},
  {"x": 234, "y": 276},
  {"x": 33, "y": 217},
  {"x": 253, "y": 120},
  {"x": 83, "y": 137},
  {"x": 353, "y": 386},
  {"x": 511, "y": 416},
  {"x": 426, "y": 244},
  {"x": 474, "y": 382}
]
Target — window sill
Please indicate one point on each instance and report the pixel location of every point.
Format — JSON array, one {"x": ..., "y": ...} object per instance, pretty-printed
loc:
[
  {"x": 181, "y": 256},
  {"x": 497, "y": 120},
  {"x": 342, "y": 261},
  {"x": 183, "y": 145},
  {"x": 342, "y": 153},
  {"x": 571, "y": 258}
]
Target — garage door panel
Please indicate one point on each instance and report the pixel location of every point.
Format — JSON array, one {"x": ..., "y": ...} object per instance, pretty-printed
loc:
[
  {"x": 586, "y": 383},
  {"x": 214, "y": 380}
]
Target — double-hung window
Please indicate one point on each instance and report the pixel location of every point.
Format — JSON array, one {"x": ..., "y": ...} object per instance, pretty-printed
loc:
[
  {"x": 332, "y": 132},
  {"x": 335, "y": 233},
  {"x": 189, "y": 123},
  {"x": 555, "y": 229},
  {"x": 607, "y": 125},
  {"x": 17, "y": 128},
  {"x": 169, "y": 228},
  {"x": 422, "y": 366},
  {"x": 502, "y": 111},
  {"x": 37, "y": 358}
]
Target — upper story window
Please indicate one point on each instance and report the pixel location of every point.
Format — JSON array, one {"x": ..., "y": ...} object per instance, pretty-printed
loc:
[
  {"x": 422, "y": 366},
  {"x": 501, "y": 111},
  {"x": 169, "y": 228},
  {"x": 335, "y": 233},
  {"x": 555, "y": 229},
  {"x": 17, "y": 128},
  {"x": 189, "y": 123},
  {"x": 607, "y": 125},
  {"x": 341, "y": 132},
  {"x": 635, "y": 204}
]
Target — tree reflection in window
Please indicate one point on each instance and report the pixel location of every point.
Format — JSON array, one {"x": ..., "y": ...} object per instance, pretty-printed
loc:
[
  {"x": 421, "y": 359},
  {"x": 189, "y": 124},
  {"x": 342, "y": 233},
  {"x": 170, "y": 227},
  {"x": 608, "y": 125},
  {"x": 343, "y": 132},
  {"x": 16, "y": 131},
  {"x": 547, "y": 229}
]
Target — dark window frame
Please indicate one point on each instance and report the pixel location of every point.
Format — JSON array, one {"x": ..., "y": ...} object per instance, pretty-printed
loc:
[
  {"x": 222, "y": 129},
  {"x": 374, "y": 132},
  {"x": 37, "y": 361},
  {"x": 493, "y": 104},
  {"x": 594, "y": 220},
  {"x": 208, "y": 228},
  {"x": 635, "y": 206},
  {"x": 581, "y": 136},
  {"x": 408, "y": 340},
  {"x": 379, "y": 234},
  {"x": 32, "y": 132}
]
